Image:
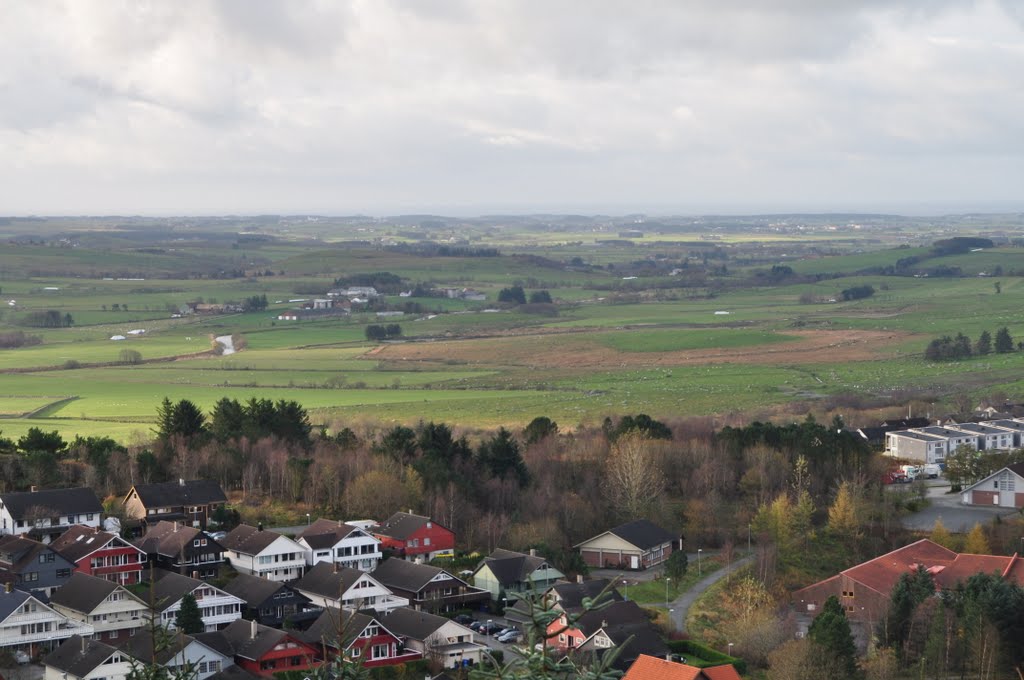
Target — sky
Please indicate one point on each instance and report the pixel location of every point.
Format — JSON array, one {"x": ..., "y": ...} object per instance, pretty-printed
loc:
[{"x": 381, "y": 107}]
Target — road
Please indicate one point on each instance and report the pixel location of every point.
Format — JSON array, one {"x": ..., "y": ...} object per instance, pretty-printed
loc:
[{"x": 679, "y": 608}]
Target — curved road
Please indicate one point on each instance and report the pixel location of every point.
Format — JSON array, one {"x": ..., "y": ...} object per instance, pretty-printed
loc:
[{"x": 680, "y": 607}]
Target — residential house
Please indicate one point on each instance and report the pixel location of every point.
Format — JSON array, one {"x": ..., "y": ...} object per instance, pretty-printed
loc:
[
  {"x": 1014, "y": 426},
  {"x": 513, "y": 573},
  {"x": 1003, "y": 488},
  {"x": 864, "y": 590},
  {"x": 623, "y": 626},
  {"x": 917, "y": 446},
  {"x": 350, "y": 546},
  {"x": 268, "y": 554},
  {"x": 217, "y": 607},
  {"x": 46, "y": 514},
  {"x": 271, "y": 603},
  {"x": 357, "y": 636},
  {"x": 428, "y": 588},
  {"x": 31, "y": 626},
  {"x": 413, "y": 537},
  {"x": 647, "y": 667},
  {"x": 262, "y": 650},
  {"x": 80, "y": 658},
  {"x": 639, "y": 544},
  {"x": 178, "y": 653},
  {"x": 114, "y": 612},
  {"x": 435, "y": 637},
  {"x": 329, "y": 585},
  {"x": 988, "y": 438},
  {"x": 192, "y": 502},
  {"x": 184, "y": 550},
  {"x": 101, "y": 553},
  {"x": 33, "y": 566},
  {"x": 565, "y": 597}
]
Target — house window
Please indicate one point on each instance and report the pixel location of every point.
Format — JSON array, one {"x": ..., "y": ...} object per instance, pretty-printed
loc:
[
  {"x": 426, "y": 541},
  {"x": 88, "y": 517},
  {"x": 63, "y": 573},
  {"x": 370, "y": 631},
  {"x": 46, "y": 557},
  {"x": 356, "y": 652},
  {"x": 32, "y": 576},
  {"x": 380, "y": 652}
]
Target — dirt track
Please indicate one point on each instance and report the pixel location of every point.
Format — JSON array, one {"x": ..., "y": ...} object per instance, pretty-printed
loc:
[{"x": 574, "y": 350}]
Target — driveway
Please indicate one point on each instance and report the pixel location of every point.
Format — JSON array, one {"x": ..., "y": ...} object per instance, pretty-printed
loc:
[{"x": 945, "y": 506}]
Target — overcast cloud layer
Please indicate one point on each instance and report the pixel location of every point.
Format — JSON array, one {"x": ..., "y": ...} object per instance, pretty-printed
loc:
[{"x": 382, "y": 106}]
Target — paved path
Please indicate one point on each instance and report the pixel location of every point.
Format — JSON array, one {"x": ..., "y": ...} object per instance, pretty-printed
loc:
[{"x": 681, "y": 606}]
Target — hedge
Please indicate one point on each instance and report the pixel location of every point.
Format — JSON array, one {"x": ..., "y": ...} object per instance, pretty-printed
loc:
[{"x": 706, "y": 656}]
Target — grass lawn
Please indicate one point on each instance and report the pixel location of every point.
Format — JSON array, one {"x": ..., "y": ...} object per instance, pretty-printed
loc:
[{"x": 653, "y": 592}]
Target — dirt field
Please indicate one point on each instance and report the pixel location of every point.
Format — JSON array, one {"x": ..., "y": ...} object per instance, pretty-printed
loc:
[{"x": 570, "y": 350}]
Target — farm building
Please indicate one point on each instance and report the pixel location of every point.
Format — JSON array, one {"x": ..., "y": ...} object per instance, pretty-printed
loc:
[{"x": 1003, "y": 488}]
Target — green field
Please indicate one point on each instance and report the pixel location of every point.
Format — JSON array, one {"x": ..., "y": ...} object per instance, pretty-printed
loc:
[{"x": 626, "y": 335}]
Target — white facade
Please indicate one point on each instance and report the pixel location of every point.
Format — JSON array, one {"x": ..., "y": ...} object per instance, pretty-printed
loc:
[
  {"x": 59, "y": 524},
  {"x": 282, "y": 560},
  {"x": 117, "y": 667},
  {"x": 119, "y": 615},
  {"x": 218, "y": 608},
  {"x": 205, "y": 660},
  {"x": 358, "y": 550},
  {"x": 452, "y": 643},
  {"x": 33, "y": 623},
  {"x": 365, "y": 593}
]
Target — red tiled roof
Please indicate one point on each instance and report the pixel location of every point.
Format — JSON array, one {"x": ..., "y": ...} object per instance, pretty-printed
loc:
[
  {"x": 881, "y": 573},
  {"x": 726, "y": 672},
  {"x": 965, "y": 566},
  {"x": 652, "y": 668},
  {"x": 1015, "y": 570}
]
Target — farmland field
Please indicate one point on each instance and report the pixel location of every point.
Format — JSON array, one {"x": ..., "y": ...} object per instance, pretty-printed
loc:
[{"x": 626, "y": 333}]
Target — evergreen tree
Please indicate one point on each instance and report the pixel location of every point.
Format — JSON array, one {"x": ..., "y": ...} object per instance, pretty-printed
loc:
[
  {"x": 539, "y": 428},
  {"x": 189, "y": 619},
  {"x": 830, "y": 630},
  {"x": 1004, "y": 341},
  {"x": 984, "y": 344},
  {"x": 500, "y": 456},
  {"x": 227, "y": 420},
  {"x": 910, "y": 590}
]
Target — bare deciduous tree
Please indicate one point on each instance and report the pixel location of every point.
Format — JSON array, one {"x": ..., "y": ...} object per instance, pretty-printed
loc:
[{"x": 635, "y": 480}]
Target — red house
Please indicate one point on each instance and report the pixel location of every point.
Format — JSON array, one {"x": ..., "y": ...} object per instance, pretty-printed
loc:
[
  {"x": 101, "y": 554},
  {"x": 411, "y": 536},
  {"x": 261, "y": 649},
  {"x": 357, "y": 637}
]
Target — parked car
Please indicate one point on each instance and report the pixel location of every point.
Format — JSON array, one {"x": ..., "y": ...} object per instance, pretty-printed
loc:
[
  {"x": 503, "y": 630},
  {"x": 512, "y": 635},
  {"x": 464, "y": 619},
  {"x": 489, "y": 628},
  {"x": 21, "y": 657}
]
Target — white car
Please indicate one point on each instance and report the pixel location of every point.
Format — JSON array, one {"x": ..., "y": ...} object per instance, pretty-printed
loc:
[{"x": 21, "y": 657}]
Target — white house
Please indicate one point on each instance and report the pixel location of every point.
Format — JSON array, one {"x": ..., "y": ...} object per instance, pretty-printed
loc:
[
  {"x": 1003, "y": 488},
  {"x": 435, "y": 637},
  {"x": 114, "y": 612},
  {"x": 267, "y": 554},
  {"x": 82, "y": 659},
  {"x": 329, "y": 585},
  {"x": 349, "y": 546},
  {"x": 29, "y": 625},
  {"x": 216, "y": 607},
  {"x": 48, "y": 513},
  {"x": 181, "y": 652}
]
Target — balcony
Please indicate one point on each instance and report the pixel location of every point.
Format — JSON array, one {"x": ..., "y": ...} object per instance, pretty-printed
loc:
[{"x": 12, "y": 636}]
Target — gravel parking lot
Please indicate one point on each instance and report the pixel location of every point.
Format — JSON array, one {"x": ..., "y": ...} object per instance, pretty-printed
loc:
[{"x": 946, "y": 506}]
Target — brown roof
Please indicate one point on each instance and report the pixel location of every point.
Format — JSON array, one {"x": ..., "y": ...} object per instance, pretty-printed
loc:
[
  {"x": 726, "y": 672},
  {"x": 965, "y": 566}
]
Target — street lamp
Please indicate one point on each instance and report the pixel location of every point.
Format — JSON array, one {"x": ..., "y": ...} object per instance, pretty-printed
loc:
[
  {"x": 730, "y": 649},
  {"x": 307, "y": 519},
  {"x": 625, "y": 588},
  {"x": 699, "y": 551},
  {"x": 667, "y": 579},
  {"x": 748, "y": 537}
]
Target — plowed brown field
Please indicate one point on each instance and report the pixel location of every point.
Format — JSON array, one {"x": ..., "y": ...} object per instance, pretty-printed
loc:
[{"x": 573, "y": 350}]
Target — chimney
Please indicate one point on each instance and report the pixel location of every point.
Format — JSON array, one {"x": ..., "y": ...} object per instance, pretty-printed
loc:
[
  {"x": 181, "y": 482},
  {"x": 252, "y": 629},
  {"x": 668, "y": 656},
  {"x": 175, "y": 530},
  {"x": 533, "y": 552},
  {"x": 579, "y": 578}
]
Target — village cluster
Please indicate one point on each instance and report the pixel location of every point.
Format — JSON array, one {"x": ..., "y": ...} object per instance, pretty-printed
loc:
[{"x": 83, "y": 593}]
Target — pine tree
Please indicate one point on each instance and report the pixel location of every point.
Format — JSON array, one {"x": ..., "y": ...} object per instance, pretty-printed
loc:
[
  {"x": 1004, "y": 341},
  {"x": 984, "y": 344},
  {"x": 189, "y": 619},
  {"x": 830, "y": 630}
]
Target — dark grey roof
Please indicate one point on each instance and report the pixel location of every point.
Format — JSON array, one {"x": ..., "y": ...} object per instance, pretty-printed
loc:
[
  {"x": 172, "y": 539},
  {"x": 253, "y": 589},
  {"x": 83, "y": 593},
  {"x": 235, "y": 672},
  {"x": 417, "y": 625},
  {"x": 572, "y": 595},
  {"x": 140, "y": 646},
  {"x": 512, "y": 567},
  {"x": 79, "y": 541},
  {"x": 625, "y": 622},
  {"x": 326, "y": 533},
  {"x": 901, "y": 423},
  {"x": 326, "y": 581},
  {"x": 405, "y": 575},
  {"x": 53, "y": 501},
  {"x": 248, "y": 639},
  {"x": 172, "y": 494},
  {"x": 1017, "y": 468},
  {"x": 249, "y": 540},
  {"x": 643, "y": 533},
  {"x": 169, "y": 588},
  {"x": 977, "y": 428},
  {"x": 10, "y": 601},
  {"x": 332, "y": 623},
  {"x": 402, "y": 525},
  {"x": 79, "y": 656},
  {"x": 20, "y": 553}
]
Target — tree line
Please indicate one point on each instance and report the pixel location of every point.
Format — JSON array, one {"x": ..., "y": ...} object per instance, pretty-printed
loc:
[{"x": 948, "y": 348}]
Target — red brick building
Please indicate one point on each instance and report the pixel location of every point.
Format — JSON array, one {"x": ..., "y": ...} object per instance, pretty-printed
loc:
[
  {"x": 101, "y": 554},
  {"x": 411, "y": 536}
]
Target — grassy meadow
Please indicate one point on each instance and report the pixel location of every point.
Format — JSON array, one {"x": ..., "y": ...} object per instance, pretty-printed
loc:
[{"x": 616, "y": 343}]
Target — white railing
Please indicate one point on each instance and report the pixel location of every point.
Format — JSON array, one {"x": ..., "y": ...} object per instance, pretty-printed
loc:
[{"x": 12, "y": 636}]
